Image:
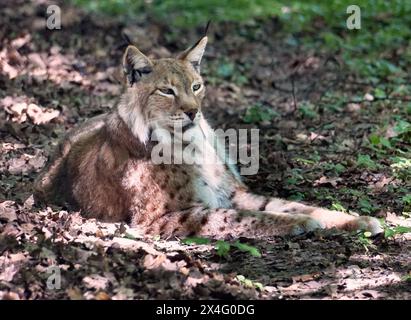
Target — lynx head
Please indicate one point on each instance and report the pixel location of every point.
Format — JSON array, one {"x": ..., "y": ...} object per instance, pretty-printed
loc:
[{"x": 162, "y": 93}]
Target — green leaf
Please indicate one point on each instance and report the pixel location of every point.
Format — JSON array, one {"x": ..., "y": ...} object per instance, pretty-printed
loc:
[
  {"x": 365, "y": 205},
  {"x": 195, "y": 240},
  {"x": 247, "y": 248},
  {"x": 291, "y": 181},
  {"x": 388, "y": 233},
  {"x": 402, "y": 127},
  {"x": 259, "y": 113},
  {"x": 364, "y": 161},
  {"x": 298, "y": 196},
  {"x": 307, "y": 110},
  {"x": 401, "y": 168},
  {"x": 377, "y": 141},
  {"x": 406, "y": 199},
  {"x": 391, "y": 232},
  {"x": 222, "y": 248},
  {"x": 386, "y": 143},
  {"x": 248, "y": 283},
  {"x": 338, "y": 207},
  {"x": 374, "y": 139},
  {"x": 379, "y": 93},
  {"x": 225, "y": 70},
  {"x": 407, "y": 278},
  {"x": 402, "y": 229},
  {"x": 339, "y": 168},
  {"x": 240, "y": 278},
  {"x": 259, "y": 286}
]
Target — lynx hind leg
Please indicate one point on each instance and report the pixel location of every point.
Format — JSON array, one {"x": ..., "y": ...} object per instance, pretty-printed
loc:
[
  {"x": 224, "y": 223},
  {"x": 46, "y": 184},
  {"x": 244, "y": 200},
  {"x": 333, "y": 219}
]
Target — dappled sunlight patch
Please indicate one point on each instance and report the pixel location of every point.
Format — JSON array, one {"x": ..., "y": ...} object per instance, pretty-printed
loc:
[
  {"x": 20, "y": 109},
  {"x": 57, "y": 66},
  {"x": 51, "y": 65}
]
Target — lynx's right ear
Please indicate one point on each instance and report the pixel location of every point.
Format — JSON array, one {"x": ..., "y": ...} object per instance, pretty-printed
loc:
[
  {"x": 195, "y": 53},
  {"x": 135, "y": 65}
]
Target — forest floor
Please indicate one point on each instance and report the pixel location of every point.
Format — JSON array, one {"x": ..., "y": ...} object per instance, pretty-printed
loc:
[{"x": 312, "y": 149}]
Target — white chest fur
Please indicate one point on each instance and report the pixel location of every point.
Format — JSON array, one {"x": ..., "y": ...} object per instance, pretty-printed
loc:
[
  {"x": 213, "y": 182},
  {"x": 210, "y": 188}
]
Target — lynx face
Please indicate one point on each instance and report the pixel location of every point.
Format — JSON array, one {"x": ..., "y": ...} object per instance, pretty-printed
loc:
[{"x": 167, "y": 93}]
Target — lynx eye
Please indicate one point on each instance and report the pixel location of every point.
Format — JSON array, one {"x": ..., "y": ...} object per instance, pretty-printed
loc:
[
  {"x": 196, "y": 87},
  {"x": 168, "y": 91}
]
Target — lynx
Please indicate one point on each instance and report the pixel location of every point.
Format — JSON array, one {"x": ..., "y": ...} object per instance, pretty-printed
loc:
[{"x": 105, "y": 167}]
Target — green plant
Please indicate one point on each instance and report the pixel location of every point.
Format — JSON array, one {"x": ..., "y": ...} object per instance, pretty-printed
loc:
[
  {"x": 402, "y": 127},
  {"x": 249, "y": 283},
  {"x": 307, "y": 110},
  {"x": 223, "y": 247},
  {"x": 406, "y": 200},
  {"x": 365, "y": 240},
  {"x": 338, "y": 207},
  {"x": 366, "y": 206},
  {"x": 196, "y": 240},
  {"x": 392, "y": 232},
  {"x": 379, "y": 141},
  {"x": 365, "y": 161},
  {"x": 338, "y": 168},
  {"x": 380, "y": 93},
  {"x": 401, "y": 168},
  {"x": 259, "y": 113},
  {"x": 226, "y": 70},
  {"x": 247, "y": 248},
  {"x": 297, "y": 196}
]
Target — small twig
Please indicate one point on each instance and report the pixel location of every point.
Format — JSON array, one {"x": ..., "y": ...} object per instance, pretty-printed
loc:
[{"x": 293, "y": 93}]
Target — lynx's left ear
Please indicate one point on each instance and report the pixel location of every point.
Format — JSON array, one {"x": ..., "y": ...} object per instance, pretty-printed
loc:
[{"x": 195, "y": 53}]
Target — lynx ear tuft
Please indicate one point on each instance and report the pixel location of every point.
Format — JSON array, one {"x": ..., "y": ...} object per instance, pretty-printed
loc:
[
  {"x": 195, "y": 53},
  {"x": 135, "y": 65}
]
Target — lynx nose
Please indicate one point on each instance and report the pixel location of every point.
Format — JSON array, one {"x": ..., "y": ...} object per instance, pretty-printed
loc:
[{"x": 191, "y": 114}]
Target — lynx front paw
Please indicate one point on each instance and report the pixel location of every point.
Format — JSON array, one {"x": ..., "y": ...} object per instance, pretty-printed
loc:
[{"x": 305, "y": 224}]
